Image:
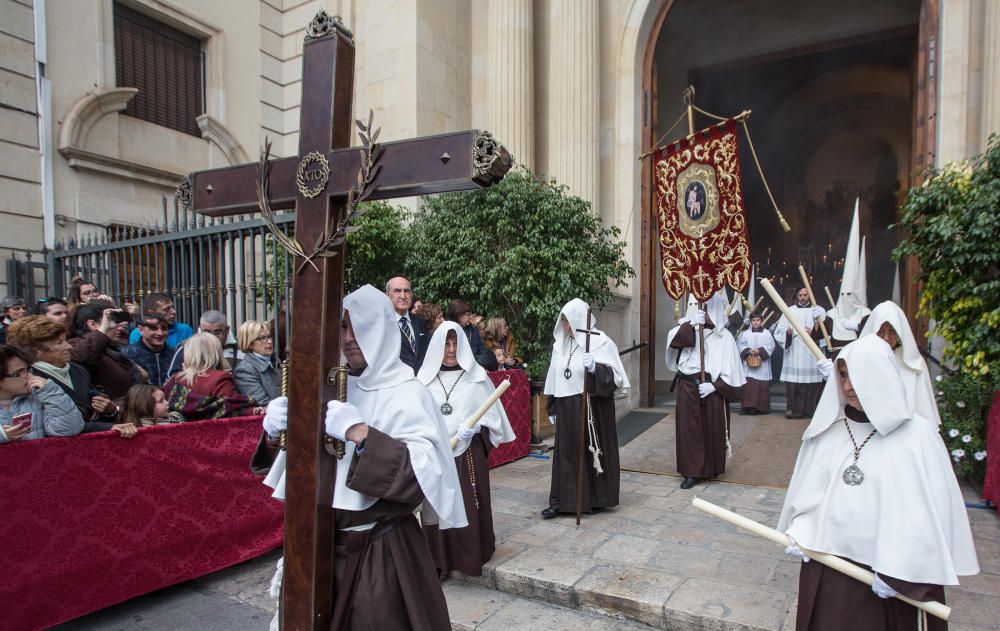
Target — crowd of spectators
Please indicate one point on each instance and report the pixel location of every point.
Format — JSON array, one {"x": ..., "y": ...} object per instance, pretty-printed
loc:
[{"x": 88, "y": 364}]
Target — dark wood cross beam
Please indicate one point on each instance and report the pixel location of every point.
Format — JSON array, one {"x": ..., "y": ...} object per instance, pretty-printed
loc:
[{"x": 448, "y": 162}]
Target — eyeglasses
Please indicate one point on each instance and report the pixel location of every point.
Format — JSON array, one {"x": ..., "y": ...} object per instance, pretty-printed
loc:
[
  {"x": 156, "y": 325},
  {"x": 264, "y": 338},
  {"x": 17, "y": 374}
]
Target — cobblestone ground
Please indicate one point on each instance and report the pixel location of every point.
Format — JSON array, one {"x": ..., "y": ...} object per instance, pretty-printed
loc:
[{"x": 653, "y": 560}]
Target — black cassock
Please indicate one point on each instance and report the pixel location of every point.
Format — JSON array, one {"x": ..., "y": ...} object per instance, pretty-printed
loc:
[{"x": 599, "y": 490}]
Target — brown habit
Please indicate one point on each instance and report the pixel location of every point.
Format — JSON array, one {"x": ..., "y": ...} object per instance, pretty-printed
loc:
[
  {"x": 701, "y": 423},
  {"x": 756, "y": 394},
  {"x": 831, "y": 601},
  {"x": 467, "y": 549},
  {"x": 397, "y": 587},
  {"x": 599, "y": 491}
]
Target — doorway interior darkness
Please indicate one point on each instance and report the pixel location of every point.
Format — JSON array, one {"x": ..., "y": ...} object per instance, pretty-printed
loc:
[{"x": 832, "y": 89}]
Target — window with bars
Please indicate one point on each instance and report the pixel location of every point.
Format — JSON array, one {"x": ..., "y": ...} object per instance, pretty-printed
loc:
[{"x": 165, "y": 64}]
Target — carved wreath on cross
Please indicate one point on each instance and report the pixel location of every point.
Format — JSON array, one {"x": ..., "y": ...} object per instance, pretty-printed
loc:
[{"x": 327, "y": 244}]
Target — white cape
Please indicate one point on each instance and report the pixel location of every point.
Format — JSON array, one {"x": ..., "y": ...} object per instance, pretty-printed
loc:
[
  {"x": 907, "y": 519},
  {"x": 567, "y": 352},
  {"x": 722, "y": 358},
  {"x": 392, "y": 401},
  {"x": 472, "y": 389}
]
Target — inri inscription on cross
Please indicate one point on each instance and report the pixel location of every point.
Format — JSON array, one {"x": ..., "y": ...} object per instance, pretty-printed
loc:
[{"x": 316, "y": 184}]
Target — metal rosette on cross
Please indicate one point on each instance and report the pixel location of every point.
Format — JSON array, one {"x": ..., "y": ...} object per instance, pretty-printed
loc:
[{"x": 699, "y": 207}]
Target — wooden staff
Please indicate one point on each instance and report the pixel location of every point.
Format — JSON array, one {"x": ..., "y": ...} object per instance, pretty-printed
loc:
[
  {"x": 487, "y": 404},
  {"x": 812, "y": 299},
  {"x": 829, "y": 296},
  {"x": 932, "y": 607},
  {"x": 780, "y": 304},
  {"x": 763, "y": 324},
  {"x": 750, "y": 311},
  {"x": 732, "y": 305}
]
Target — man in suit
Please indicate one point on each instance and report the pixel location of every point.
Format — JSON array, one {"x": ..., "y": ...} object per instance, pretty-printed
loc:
[{"x": 413, "y": 338}]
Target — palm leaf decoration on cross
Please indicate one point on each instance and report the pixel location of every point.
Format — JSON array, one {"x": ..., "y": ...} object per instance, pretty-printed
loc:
[{"x": 326, "y": 245}]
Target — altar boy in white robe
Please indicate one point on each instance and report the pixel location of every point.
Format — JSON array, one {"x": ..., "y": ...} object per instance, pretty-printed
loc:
[
  {"x": 873, "y": 484},
  {"x": 459, "y": 386},
  {"x": 803, "y": 382},
  {"x": 756, "y": 346}
]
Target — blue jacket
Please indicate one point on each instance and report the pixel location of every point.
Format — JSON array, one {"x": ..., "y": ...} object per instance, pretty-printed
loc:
[
  {"x": 177, "y": 333},
  {"x": 53, "y": 413},
  {"x": 155, "y": 363}
]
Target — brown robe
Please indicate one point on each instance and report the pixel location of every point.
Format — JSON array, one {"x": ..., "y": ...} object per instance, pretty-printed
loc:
[
  {"x": 599, "y": 491},
  {"x": 467, "y": 549},
  {"x": 802, "y": 398},
  {"x": 831, "y": 601},
  {"x": 701, "y": 423},
  {"x": 398, "y": 587}
]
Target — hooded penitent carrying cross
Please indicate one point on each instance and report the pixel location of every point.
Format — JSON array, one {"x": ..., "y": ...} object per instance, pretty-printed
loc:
[
  {"x": 571, "y": 389},
  {"x": 316, "y": 183}
]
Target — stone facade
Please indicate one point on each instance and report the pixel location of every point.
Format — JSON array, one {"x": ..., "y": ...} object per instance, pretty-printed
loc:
[{"x": 563, "y": 80}]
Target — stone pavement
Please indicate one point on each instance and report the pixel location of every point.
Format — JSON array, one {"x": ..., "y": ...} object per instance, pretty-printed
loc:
[{"x": 653, "y": 561}]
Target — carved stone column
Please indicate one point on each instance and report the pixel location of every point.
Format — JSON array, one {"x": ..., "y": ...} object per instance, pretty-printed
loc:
[
  {"x": 574, "y": 97},
  {"x": 510, "y": 91}
]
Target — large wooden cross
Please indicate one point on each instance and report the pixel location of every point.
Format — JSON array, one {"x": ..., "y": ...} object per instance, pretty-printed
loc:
[{"x": 316, "y": 183}]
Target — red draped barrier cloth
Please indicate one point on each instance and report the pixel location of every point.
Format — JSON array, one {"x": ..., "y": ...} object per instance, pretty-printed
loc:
[
  {"x": 517, "y": 403},
  {"x": 94, "y": 520},
  {"x": 991, "y": 485}
]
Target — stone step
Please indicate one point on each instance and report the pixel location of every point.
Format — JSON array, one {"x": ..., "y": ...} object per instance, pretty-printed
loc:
[
  {"x": 479, "y": 608},
  {"x": 646, "y": 597}
]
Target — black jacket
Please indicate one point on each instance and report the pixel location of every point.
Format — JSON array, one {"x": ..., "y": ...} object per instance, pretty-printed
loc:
[
  {"x": 155, "y": 363},
  {"x": 420, "y": 339},
  {"x": 484, "y": 356}
]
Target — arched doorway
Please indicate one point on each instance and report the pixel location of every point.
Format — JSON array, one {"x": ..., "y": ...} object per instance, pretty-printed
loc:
[{"x": 842, "y": 107}]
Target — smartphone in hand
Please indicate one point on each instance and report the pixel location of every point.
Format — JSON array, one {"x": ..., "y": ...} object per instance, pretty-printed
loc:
[{"x": 23, "y": 420}]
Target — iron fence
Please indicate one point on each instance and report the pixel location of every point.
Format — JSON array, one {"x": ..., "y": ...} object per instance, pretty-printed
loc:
[{"x": 231, "y": 264}]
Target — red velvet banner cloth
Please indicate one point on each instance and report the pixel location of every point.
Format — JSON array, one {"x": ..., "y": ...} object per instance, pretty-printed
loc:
[
  {"x": 94, "y": 520},
  {"x": 517, "y": 403},
  {"x": 991, "y": 485},
  {"x": 699, "y": 209}
]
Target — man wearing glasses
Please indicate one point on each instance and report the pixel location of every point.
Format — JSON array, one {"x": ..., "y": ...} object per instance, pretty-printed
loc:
[
  {"x": 152, "y": 351},
  {"x": 163, "y": 305},
  {"x": 216, "y": 323}
]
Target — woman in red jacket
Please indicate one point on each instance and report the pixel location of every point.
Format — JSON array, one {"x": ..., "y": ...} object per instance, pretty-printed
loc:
[{"x": 204, "y": 388}]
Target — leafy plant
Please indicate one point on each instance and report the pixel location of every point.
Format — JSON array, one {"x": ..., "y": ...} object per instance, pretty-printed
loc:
[
  {"x": 379, "y": 249},
  {"x": 520, "y": 249},
  {"x": 953, "y": 227}
]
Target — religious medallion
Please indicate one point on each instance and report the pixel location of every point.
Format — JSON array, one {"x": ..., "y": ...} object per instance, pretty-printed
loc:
[
  {"x": 853, "y": 475},
  {"x": 313, "y": 174},
  {"x": 446, "y": 408},
  {"x": 697, "y": 200},
  {"x": 568, "y": 373}
]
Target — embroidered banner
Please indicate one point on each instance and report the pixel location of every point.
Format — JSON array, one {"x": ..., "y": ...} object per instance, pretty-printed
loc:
[{"x": 699, "y": 208}]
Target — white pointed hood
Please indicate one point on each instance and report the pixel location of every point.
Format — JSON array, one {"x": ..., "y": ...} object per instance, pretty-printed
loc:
[{"x": 851, "y": 303}]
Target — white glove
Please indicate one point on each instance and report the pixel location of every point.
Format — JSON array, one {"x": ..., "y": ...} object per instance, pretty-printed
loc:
[
  {"x": 698, "y": 318},
  {"x": 794, "y": 550},
  {"x": 589, "y": 363},
  {"x": 825, "y": 367},
  {"x": 465, "y": 434},
  {"x": 850, "y": 325},
  {"x": 276, "y": 417},
  {"x": 552, "y": 419},
  {"x": 705, "y": 389},
  {"x": 341, "y": 417},
  {"x": 881, "y": 589}
]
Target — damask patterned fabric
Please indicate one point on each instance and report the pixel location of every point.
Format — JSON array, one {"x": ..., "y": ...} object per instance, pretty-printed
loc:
[
  {"x": 517, "y": 403},
  {"x": 94, "y": 520},
  {"x": 991, "y": 486}
]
